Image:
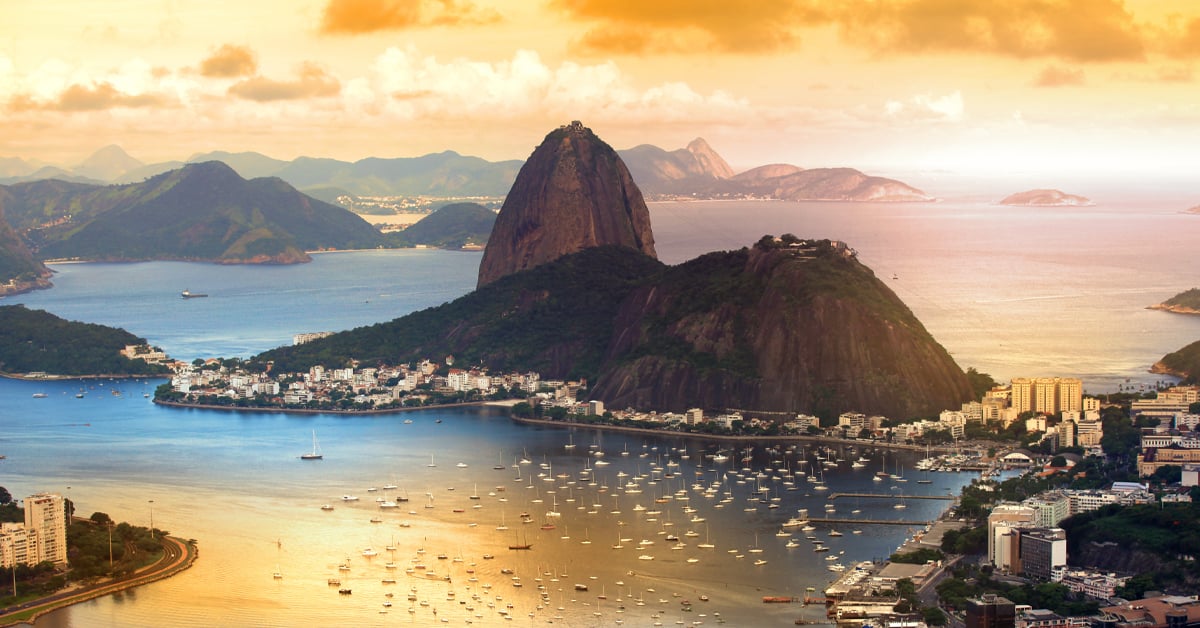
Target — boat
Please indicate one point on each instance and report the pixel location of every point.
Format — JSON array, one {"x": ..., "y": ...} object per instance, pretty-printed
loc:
[
  {"x": 315, "y": 454},
  {"x": 188, "y": 294},
  {"x": 326, "y": 507},
  {"x": 40, "y": 395}
]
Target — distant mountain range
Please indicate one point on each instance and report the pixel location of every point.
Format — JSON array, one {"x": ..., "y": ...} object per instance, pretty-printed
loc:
[
  {"x": 200, "y": 212},
  {"x": 694, "y": 172}
]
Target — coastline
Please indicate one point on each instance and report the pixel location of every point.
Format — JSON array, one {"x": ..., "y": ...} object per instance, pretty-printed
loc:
[
  {"x": 1174, "y": 309},
  {"x": 180, "y": 556},
  {"x": 201, "y": 406},
  {"x": 52, "y": 377},
  {"x": 726, "y": 437}
]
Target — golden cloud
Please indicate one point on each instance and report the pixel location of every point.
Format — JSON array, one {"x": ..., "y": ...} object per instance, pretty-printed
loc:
[
  {"x": 229, "y": 61},
  {"x": 77, "y": 97},
  {"x": 313, "y": 82},
  {"x": 1079, "y": 30},
  {"x": 635, "y": 26},
  {"x": 353, "y": 17},
  {"x": 1054, "y": 76},
  {"x": 1074, "y": 30}
]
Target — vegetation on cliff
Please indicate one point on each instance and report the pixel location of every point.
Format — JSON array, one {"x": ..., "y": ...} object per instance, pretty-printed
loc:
[
  {"x": 1183, "y": 363},
  {"x": 785, "y": 325},
  {"x": 18, "y": 268},
  {"x": 554, "y": 319},
  {"x": 450, "y": 227},
  {"x": 37, "y": 341},
  {"x": 201, "y": 212}
]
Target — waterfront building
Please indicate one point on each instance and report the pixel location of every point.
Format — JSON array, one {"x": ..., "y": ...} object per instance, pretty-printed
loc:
[
  {"x": 42, "y": 538},
  {"x": 596, "y": 407},
  {"x": 693, "y": 416},
  {"x": 990, "y": 611}
]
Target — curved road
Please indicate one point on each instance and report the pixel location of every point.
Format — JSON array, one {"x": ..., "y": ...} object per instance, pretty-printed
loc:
[{"x": 177, "y": 556}]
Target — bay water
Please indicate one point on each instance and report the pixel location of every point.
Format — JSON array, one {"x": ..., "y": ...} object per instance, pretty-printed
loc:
[{"x": 1012, "y": 291}]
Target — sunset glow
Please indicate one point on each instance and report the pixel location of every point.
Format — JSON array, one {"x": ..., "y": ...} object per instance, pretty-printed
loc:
[{"x": 1070, "y": 86}]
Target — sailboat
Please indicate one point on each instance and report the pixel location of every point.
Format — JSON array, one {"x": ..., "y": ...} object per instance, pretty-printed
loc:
[{"x": 315, "y": 454}]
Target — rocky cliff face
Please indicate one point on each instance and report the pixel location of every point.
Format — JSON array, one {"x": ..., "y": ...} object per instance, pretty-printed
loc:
[
  {"x": 797, "y": 327},
  {"x": 573, "y": 193}
]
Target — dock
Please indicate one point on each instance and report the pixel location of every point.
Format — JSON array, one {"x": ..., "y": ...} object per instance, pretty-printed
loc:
[
  {"x": 833, "y": 496},
  {"x": 883, "y": 522}
]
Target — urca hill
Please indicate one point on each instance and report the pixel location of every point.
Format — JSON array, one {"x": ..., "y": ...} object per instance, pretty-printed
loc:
[{"x": 785, "y": 325}]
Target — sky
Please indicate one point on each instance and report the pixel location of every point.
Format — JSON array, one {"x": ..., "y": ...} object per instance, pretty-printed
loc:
[{"x": 972, "y": 86}]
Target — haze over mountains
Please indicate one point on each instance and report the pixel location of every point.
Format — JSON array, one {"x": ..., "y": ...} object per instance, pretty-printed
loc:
[{"x": 696, "y": 171}]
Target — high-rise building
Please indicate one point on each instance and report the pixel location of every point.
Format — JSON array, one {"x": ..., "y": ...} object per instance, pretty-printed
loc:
[
  {"x": 17, "y": 546},
  {"x": 46, "y": 516},
  {"x": 1047, "y": 395},
  {"x": 1041, "y": 551},
  {"x": 991, "y": 611},
  {"x": 1003, "y": 520},
  {"x": 1022, "y": 394}
]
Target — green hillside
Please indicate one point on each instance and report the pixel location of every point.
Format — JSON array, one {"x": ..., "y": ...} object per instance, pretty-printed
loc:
[
  {"x": 37, "y": 341},
  {"x": 201, "y": 212},
  {"x": 450, "y": 227}
]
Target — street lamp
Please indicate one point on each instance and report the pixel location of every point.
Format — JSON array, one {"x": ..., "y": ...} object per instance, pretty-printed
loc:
[
  {"x": 110, "y": 560},
  {"x": 152, "y": 518}
]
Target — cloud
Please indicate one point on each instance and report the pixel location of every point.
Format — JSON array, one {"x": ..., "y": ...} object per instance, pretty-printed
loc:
[
  {"x": 1187, "y": 43},
  {"x": 637, "y": 26},
  {"x": 409, "y": 85},
  {"x": 928, "y": 107},
  {"x": 229, "y": 61},
  {"x": 1078, "y": 30},
  {"x": 313, "y": 82},
  {"x": 1054, "y": 76},
  {"x": 353, "y": 17},
  {"x": 76, "y": 97}
]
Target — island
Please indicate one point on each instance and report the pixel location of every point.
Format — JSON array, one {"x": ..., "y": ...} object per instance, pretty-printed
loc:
[{"x": 1046, "y": 198}]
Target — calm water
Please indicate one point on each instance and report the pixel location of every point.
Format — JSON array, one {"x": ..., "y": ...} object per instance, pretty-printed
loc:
[
  {"x": 1010, "y": 291},
  {"x": 233, "y": 481}
]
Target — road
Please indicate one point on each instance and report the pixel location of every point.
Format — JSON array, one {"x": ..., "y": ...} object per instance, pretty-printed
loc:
[{"x": 177, "y": 556}]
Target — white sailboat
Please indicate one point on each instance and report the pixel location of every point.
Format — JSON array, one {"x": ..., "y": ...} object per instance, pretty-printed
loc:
[{"x": 315, "y": 454}]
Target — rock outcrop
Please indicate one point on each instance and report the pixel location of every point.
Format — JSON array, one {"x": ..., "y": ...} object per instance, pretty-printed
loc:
[
  {"x": 19, "y": 271},
  {"x": 1046, "y": 198},
  {"x": 573, "y": 193}
]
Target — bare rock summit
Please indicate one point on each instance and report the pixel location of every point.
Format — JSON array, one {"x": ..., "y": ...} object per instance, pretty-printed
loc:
[{"x": 573, "y": 193}]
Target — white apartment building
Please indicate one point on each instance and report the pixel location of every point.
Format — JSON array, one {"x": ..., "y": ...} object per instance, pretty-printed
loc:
[{"x": 42, "y": 538}]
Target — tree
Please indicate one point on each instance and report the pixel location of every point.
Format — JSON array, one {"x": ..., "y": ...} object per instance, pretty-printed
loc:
[
  {"x": 980, "y": 382},
  {"x": 933, "y": 616},
  {"x": 101, "y": 518},
  {"x": 5, "y": 496}
]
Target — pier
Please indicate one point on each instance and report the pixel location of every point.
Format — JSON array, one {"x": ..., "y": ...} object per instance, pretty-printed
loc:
[
  {"x": 833, "y": 496},
  {"x": 884, "y": 522}
]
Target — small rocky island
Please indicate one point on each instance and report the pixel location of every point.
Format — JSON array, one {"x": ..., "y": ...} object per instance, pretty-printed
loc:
[
  {"x": 1186, "y": 302},
  {"x": 1046, "y": 198}
]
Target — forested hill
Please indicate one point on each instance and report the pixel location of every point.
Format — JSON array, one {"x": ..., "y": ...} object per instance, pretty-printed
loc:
[{"x": 38, "y": 341}]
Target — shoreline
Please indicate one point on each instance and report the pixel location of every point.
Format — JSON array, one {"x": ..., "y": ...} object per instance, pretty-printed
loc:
[
  {"x": 725, "y": 437},
  {"x": 53, "y": 377},
  {"x": 201, "y": 406},
  {"x": 180, "y": 557},
  {"x": 1174, "y": 309}
]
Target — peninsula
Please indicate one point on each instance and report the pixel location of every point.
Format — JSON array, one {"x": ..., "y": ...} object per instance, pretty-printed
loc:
[
  {"x": 1186, "y": 302},
  {"x": 1046, "y": 198}
]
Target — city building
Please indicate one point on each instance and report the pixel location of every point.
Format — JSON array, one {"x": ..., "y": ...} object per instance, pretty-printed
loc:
[
  {"x": 1041, "y": 551},
  {"x": 1002, "y": 525},
  {"x": 991, "y": 611},
  {"x": 1169, "y": 611},
  {"x": 1046, "y": 395},
  {"x": 43, "y": 536},
  {"x": 1153, "y": 458}
]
